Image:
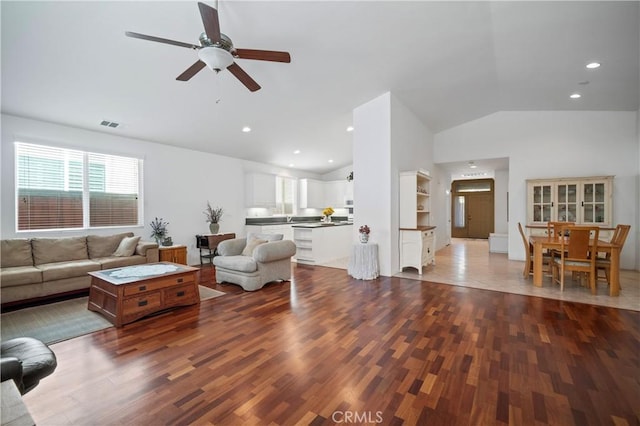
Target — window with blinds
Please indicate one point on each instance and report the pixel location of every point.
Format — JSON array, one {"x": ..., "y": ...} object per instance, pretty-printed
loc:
[
  {"x": 285, "y": 195},
  {"x": 63, "y": 188}
]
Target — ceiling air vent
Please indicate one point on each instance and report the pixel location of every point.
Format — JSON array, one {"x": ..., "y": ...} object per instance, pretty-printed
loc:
[{"x": 109, "y": 124}]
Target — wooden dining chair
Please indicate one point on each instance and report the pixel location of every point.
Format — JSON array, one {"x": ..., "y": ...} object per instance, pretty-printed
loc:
[
  {"x": 528, "y": 250},
  {"x": 604, "y": 264},
  {"x": 554, "y": 228},
  {"x": 577, "y": 254}
]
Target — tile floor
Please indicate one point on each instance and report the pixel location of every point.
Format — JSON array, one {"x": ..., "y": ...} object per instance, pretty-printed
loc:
[{"x": 468, "y": 263}]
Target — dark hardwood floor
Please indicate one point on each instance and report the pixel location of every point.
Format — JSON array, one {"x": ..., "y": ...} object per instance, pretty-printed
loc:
[{"x": 328, "y": 349}]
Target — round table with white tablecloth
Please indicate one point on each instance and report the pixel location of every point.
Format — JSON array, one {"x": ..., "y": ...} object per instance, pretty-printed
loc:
[{"x": 363, "y": 263}]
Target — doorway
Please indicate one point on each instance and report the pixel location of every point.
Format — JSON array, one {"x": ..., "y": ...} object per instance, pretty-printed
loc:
[{"x": 472, "y": 208}]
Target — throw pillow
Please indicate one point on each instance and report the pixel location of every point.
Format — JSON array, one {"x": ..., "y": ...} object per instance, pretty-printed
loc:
[
  {"x": 251, "y": 244},
  {"x": 127, "y": 247}
]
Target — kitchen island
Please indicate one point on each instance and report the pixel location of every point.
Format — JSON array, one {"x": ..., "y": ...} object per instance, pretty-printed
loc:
[{"x": 320, "y": 242}]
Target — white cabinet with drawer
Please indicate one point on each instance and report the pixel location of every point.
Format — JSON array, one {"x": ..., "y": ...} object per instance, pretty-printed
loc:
[{"x": 417, "y": 248}]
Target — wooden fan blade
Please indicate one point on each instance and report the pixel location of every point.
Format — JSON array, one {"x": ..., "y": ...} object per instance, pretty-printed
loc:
[
  {"x": 243, "y": 77},
  {"x": 161, "y": 40},
  {"x": 210, "y": 21},
  {"x": 263, "y": 55},
  {"x": 191, "y": 71}
]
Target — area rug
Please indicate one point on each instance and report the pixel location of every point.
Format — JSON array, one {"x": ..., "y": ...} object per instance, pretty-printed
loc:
[
  {"x": 55, "y": 322},
  {"x": 207, "y": 293}
]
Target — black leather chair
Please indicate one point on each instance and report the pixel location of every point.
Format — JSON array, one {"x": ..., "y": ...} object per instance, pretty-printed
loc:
[{"x": 26, "y": 361}]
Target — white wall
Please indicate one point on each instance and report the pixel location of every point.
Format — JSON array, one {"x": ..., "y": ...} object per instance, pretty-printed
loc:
[
  {"x": 548, "y": 144},
  {"x": 177, "y": 182},
  {"x": 388, "y": 138},
  {"x": 372, "y": 174},
  {"x": 501, "y": 189}
]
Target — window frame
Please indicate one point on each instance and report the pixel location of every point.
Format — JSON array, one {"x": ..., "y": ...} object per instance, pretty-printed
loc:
[{"x": 86, "y": 192}]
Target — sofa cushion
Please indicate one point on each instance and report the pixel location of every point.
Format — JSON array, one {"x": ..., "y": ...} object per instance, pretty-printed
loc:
[
  {"x": 236, "y": 263},
  {"x": 119, "y": 262},
  {"x": 20, "y": 275},
  {"x": 104, "y": 245},
  {"x": 15, "y": 252},
  {"x": 51, "y": 250},
  {"x": 127, "y": 247},
  {"x": 62, "y": 270},
  {"x": 251, "y": 244}
]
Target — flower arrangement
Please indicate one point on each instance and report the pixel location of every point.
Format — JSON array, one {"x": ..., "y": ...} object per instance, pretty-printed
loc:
[
  {"x": 364, "y": 229},
  {"x": 328, "y": 211},
  {"x": 158, "y": 229},
  {"x": 213, "y": 215}
]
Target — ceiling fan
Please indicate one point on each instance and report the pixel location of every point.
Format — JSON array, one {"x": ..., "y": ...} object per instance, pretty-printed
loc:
[{"x": 217, "y": 52}]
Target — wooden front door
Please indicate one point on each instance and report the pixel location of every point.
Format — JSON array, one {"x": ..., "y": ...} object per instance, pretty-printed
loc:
[{"x": 472, "y": 210}]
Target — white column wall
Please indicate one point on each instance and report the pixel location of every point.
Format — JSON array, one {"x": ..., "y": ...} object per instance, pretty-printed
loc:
[
  {"x": 548, "y": 144},
  {"x": 388, "y": 138}
]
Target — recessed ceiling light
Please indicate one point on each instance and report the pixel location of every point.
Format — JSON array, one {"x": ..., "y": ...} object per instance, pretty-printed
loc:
[
  {"x": 297, "y": 151},
  {"x": 331, "y": 161},
  {"x": 246, "y": 129},
  {"x": 291, "y": 165},
  {"x": 575, "y": 95},
  {"x": 593, "y": 65},
  {"x": 350, "y": 129}
]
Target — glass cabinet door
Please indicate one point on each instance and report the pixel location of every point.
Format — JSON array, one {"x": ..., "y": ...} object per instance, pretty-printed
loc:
[
  {"x": 542, "y": 203},
  {"x": 594, "y": 202},
  {"x": 567, "y": 202}
]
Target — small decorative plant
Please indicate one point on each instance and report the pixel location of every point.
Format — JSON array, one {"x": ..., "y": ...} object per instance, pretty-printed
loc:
[
  {"x": 328, "y": 211},
  {"x": 158, "y": 229},
  {"x": 213, "y": 215},
  {"x": 350, "y": 176},
  {"x": 364, "y": 229}
]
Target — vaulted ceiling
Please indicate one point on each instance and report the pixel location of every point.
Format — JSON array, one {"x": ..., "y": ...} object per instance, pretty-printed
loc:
[{"x": 449, "y": 62}]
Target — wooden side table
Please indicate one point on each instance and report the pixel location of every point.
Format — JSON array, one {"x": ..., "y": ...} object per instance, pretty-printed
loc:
[
  {"x": 175, "y": 254},
  {"x": 209, "y": 242},
  {"x": 363, "y": 264}
]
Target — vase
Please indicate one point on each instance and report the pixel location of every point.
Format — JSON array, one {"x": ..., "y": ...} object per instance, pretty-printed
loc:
[
  {"x": 328, "y": 219},
  {"x": 214, "y": 227},
  {"x": 364, "y": 238}
]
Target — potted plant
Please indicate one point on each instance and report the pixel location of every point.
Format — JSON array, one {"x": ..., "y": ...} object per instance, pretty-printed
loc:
[
  {"x": 213, "y": 217},
  {"x": 158, "y": 229},
  {"x": 364, "y": 233}
]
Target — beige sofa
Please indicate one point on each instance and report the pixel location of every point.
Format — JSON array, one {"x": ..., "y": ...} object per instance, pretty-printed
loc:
[{"x": 40, "y": 267}]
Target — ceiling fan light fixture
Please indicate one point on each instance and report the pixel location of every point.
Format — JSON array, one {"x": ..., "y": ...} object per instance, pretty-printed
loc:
[{"x": 216, "y": 58}]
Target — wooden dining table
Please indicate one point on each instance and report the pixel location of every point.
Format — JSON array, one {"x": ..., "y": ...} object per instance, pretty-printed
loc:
[{"x": 546, "y": 242}]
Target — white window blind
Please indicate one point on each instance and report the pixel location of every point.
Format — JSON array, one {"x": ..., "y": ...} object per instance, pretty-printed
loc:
[
  {"x": 285, "y": 195},
  {"x": 52, "y": 193}
]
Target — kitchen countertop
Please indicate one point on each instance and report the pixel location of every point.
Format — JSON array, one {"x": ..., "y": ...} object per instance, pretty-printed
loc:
[
  {"x": 295, "y": 220},
  {"x": 320, "y": 224}
]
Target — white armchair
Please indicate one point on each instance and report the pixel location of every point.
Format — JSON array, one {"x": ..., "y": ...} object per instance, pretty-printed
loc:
[{"x": 254, "y": 261}]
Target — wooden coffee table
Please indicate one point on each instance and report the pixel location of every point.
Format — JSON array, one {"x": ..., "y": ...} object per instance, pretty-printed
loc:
[{"x": 124, "y": 295}]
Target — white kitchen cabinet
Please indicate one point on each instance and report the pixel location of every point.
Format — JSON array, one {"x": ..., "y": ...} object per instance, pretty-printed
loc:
[
  {"x": 417, "y": 236},
  {"x": 319, "y": 245},
  {"x": 311, "y": 194},
  {"x": 585, "y": 201},
  {"x": 337, "y": 192},
  {"x": 260, "y": 190},
  {"x": 279, "y": 228}
]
